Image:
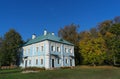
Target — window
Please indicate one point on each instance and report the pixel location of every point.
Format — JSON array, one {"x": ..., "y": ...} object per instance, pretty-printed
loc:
[
  {"x": 37, "y": 49},
  {"x": 66, "y": 61},
  {"x": 52, "y": 48},
  {"x": 58, "y": 49},
  {"x": 41, "y": 61},
  {"x": 70, "y": 50},
  {"x": 65, "y": 49},
  {"x": 29, "y": 62},
  {"x": 70, "y": 62},
  {"x": 41, "y": 48},
  {"x": 36, "y": 61},
  {"x": 58, "y": 61}
]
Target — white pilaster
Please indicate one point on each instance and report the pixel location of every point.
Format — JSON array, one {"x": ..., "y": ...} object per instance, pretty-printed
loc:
[{"x": 47, "y": 56}]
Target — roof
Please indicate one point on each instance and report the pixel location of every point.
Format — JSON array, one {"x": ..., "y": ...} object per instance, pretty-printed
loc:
[{"x": 49, "y": 37}]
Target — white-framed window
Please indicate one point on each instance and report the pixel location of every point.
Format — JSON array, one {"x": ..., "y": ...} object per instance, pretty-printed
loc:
[
  {"x": 36, "y": 61},
  {"x": 58, "y": 49},
  {"x": 52, "y": 48},
  {"x": 42, "y": 48},
  {"x": 41, "y": 61},
  {"x": 29, "y": 62},
  {"x": 70, "y": 50},
  {"x": 66, "y": 61},
  {"x": 70, "y": 62},
  {"x": 66, "y": 50},
  {"x": 58, "y": 60}
]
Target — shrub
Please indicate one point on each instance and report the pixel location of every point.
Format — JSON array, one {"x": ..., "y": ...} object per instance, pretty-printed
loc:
[
  {"x": 34, "y": 69},
  {"x": 65, "y": 67}
]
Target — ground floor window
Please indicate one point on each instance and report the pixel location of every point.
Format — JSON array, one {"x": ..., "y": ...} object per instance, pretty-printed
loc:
[
  {"x": 25, "y": 63},
  {"x": 29, "y": 62},
  {"x": 66, "y": 61},
  {"x": 58, "y": 60},
  {"x": 41, "y": 61},
  {"x": 70, "y": 62},
  {"x": 36, "y": 61}
]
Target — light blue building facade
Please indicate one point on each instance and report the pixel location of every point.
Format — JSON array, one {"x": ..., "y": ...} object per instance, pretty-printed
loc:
[{"x": 47, "y": 51}]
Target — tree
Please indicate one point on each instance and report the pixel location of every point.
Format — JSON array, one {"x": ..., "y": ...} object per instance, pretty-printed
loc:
[
  {"x": 116, "y": 20},
  {"x": 92, "y": 49},
  {"x": 9, "y": 49},
  {"x": 110, "y": 31},
  {"x": 115, "y": 42},
  {"x": 103, "y": 27},
  {"x": 70, "y": 33},
  {"x": 94, "y": 32},
  {"x": 1, "y": 40}
]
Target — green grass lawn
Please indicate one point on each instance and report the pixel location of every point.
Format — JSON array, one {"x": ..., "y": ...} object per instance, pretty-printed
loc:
[{"x": 76, "y": 73}]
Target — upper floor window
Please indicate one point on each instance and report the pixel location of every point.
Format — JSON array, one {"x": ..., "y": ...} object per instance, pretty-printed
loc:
[
  {"x": 70, "y": 50},
  {"x": 58, "y": 49},
  {"x": 66, "y": 50},
  {"x": 52, "y": 48},
  {"x": 41, "y": 48}
]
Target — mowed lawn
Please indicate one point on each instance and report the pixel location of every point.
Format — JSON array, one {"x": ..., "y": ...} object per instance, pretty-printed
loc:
[{"x": 76, "y": 73}]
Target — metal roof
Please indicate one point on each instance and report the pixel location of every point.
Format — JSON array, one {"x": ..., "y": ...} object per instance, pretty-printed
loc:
[{"x": 49, "y": 37}]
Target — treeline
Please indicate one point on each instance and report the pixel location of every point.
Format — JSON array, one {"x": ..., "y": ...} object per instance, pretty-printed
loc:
[{"x": 98, "y": 46}]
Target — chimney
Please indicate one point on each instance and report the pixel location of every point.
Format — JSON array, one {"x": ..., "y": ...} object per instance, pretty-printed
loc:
[
  {"x": 45, "y": 32},
  {"x": 33, "y": 36},
  {"x": 53, "y": 33}
]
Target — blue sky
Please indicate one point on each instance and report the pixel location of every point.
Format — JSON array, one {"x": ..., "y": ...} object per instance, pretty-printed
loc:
[{"x": 33, "y": 16}]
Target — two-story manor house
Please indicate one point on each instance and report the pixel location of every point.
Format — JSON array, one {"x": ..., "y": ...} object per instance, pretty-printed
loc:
[{"x": 47, "y": 51}]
